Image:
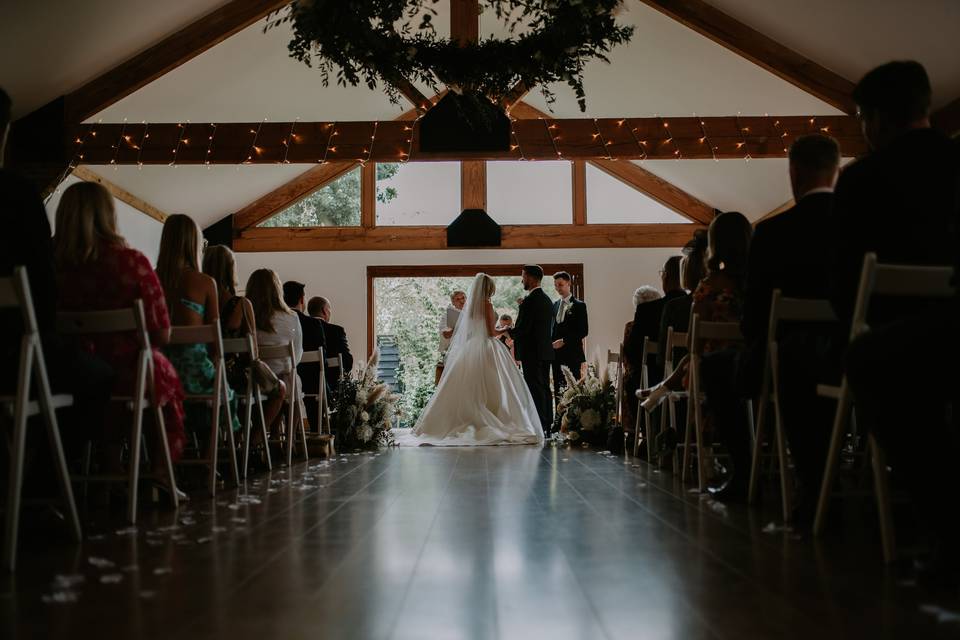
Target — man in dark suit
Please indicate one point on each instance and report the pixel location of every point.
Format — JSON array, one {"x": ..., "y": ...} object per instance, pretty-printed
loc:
[
  {"x": 903, "y": 202},
  {"x": 533, "y": 346},
  {"x": 646, "y": 318},
  {"x": 784, "y": 255},
  {"x": 570, "y": 327},
  {"x": 313, "y": 339},
  {"x": 336, "y": 336}
]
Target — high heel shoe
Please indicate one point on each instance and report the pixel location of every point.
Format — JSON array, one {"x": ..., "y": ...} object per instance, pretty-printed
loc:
[{"x": 654, "y": 396}]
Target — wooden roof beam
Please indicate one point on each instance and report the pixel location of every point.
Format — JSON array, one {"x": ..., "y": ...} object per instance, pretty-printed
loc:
[
  {"x": 766, "y": 52},
  {"x": 121, "y": 194}
]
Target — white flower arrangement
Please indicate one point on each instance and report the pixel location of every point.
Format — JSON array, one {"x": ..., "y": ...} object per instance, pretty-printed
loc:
[
  {"x": 587, "y": 405},
  {"x": 365, "y": 409}
]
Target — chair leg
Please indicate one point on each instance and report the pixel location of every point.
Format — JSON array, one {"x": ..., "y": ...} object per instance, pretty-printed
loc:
[
  {"x": 884, "y": 509},
  {"x": 165, "y": 453},
  {"x": 833, "y": 458},
  {"x": 247, "y": 430},
  {"x": 231, "y": 442},
  {"x": 59, "y": 460},
  {"x": 135, "y": 455},
  {"x": 648, "y": 435},
  {"x": 758, "y": 448},
  {"x": 15, "y": 487},
  {"x": 688, "y": 434},
  {"x": 214, "y": 445},
  {"x": 671, "y": 410},
  {"x": 263, "y": 430},
  {"x": 786, "y": 491},
  {"x": 636, "y": 431}
]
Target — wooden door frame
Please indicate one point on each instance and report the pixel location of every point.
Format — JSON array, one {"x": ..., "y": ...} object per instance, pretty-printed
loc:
[{"x": 575, "y": 269}]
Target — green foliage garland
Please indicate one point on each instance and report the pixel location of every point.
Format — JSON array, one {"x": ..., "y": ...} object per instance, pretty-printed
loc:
[{"x": 373, "y": 41}]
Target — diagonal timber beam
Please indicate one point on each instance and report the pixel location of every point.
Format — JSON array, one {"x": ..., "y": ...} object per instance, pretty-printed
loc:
[
  {"x": 166, "y": 55},
  {"x": 766, "y": 52},
  {"x": 121, "y": 194}
]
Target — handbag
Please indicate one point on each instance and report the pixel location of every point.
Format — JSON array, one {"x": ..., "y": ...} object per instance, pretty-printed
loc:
[
  {"x": 239, "y": 365},
  {"x": 263, "y": 376}
]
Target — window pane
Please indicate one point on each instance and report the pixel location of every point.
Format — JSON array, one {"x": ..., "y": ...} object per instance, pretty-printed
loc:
[
  {"x": 418, "y": 193},
  {"x": 610, "y": 201},
  {"x": 335, "y": 205},
  {"x": 530, "y": 192}
]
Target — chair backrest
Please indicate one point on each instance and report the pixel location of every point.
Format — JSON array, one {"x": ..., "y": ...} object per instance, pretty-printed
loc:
[
  {"x": 111, "y": 321},
  {"x": 675, "y": 340},
  {"x": 612, "y": 357},
  {"x": 15, "y": 293},
  {"x": 897, "y": 280},
  {"x": 239, "y": 345},
  {"x": 333, "y": 362},
  {"x": 703, "y": 330},
  {"x": 807, "y": 310},
  {"x": 208, "y": 334}
]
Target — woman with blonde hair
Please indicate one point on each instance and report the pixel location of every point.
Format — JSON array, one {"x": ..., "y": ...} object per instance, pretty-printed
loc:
[
  {"x": 97, "y": 271},
  {"x": 192, "y": 300},
  {"x": 482, "y": 398}
]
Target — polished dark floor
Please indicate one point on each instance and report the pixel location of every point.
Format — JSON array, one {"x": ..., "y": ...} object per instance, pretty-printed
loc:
[{"x": 497, "y": 542}]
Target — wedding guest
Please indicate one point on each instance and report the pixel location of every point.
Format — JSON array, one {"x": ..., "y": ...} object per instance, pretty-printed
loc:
[
  {"x": 336, "y": 337},
  {"x": 781, "y": 258},
  {"x": 237, "y": 321},
  {"x": 911, "y": 170},
  {"x": 631, "y": 367},
  {"x": 676, "y": 312},
  {"x": 646, "y": 317},
  {"x": 570, "y": 329},
  {"x": 26, "y": 242},
  {"x": 506, "y": 322},
  {"x": 96, "y": 271},
  {"x": 313, "y": 339},
  {"x": 192, "y": 300},
  {"x": 719, "y": 298}
]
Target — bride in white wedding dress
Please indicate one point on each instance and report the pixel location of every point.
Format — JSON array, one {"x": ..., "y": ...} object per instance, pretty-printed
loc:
[{"x": 482, "y": 398}]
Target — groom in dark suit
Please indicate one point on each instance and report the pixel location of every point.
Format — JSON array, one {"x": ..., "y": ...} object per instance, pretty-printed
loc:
[
  {"x": 569, "y": 329},
  {"x": 532, "y": 342}
]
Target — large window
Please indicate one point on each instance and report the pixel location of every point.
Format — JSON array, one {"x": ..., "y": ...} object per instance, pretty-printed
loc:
[
  {"x": 336, "y": 204},
  {"x": 418, "y": 193},
  {"x": 610, "y": 201},
  {"x": 530, "y": 192}
]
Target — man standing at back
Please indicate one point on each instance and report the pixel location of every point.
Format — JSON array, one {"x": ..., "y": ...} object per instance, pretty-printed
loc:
[
  {"x": 570, "y": 327},
  {"x": 313, "y": 339},
  {"x": 532, "y": 342}
]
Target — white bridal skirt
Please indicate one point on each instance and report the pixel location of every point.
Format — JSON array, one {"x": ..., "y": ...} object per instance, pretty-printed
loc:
[{"x": 482, "y": 399}]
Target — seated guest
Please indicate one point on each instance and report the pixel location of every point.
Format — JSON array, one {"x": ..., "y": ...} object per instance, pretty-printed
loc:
[
  {"x": 781, "y": 258},
  {"x": 26, "y": 242},
  {"x": 97, "y": 271},
  {"x": 646, "y": 317},
  {"x": 631, "y": 367},
  {"x": 336, "y": 337},
  {"x": 277, "y": 324},
  {"x": 192, "y": 301},
  {"x": 901, "y": 201},
  {"x": 676, "y": 312},
  {"x": 719, "y": 298},
  {"x": 237, "y": 321},
  {"x": 313, "y": 339}
]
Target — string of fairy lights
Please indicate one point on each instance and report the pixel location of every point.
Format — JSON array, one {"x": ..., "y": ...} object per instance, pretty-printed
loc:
[{"x": 552, "y": 128}]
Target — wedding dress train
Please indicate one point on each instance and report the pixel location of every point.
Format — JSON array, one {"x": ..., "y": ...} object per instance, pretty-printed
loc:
[{"x": 482, "y": 398}]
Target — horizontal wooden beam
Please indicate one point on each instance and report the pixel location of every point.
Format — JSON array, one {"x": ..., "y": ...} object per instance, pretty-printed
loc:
[
  {"x": 658, "y": 189},
  {"x": 766, "y": 52},
  {"x": 121, "y": 194},
  {"x": 424, "y": 238},
  {"x": 290, "y": 193},
  {"x": 166, "y": 55},
  {"x": 394, "y": 141}
]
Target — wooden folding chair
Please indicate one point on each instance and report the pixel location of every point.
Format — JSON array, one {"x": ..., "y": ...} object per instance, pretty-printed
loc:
[
  {"x": 649, "y": 349},
  {"x": 617, "y": 359},
  {"x": 700, "y": 332},
  {"x": 782, "y": 310},
  {"x": 131, "y": 319},
  {"x": 894, "y": 280},
  {"x": 32, "y": 370},
  {"x": 294, "y": 416},
  {"x": 675, "y": 340},
  {"x": 250, "y": 397},
  {"x": 218, "y": 400},
  {"x": 323, "y": 402}
]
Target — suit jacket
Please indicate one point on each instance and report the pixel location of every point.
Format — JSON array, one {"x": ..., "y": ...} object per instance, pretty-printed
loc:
[
  {"x": 336, "y": 346},
  {"x": 646, "y": 322},
  {"x": 783, "y": 256},
  {"x": 572, "y": 331},
  {"x": 534, "y": 328},
  {"x": 313, "y": 339},
  {"x": 900, "y": 202}
]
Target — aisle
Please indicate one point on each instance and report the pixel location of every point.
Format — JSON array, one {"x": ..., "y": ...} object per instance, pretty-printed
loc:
[{"x": 505, "y": 542}]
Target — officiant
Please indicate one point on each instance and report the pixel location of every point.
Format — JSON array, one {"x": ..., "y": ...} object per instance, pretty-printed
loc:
[
  {"x": 569, "y": 330},
  {"x": 448, "y": 322}
]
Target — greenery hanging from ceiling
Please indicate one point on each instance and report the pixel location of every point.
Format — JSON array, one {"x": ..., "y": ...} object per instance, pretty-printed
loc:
[{"x": 390, "y": 41}]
